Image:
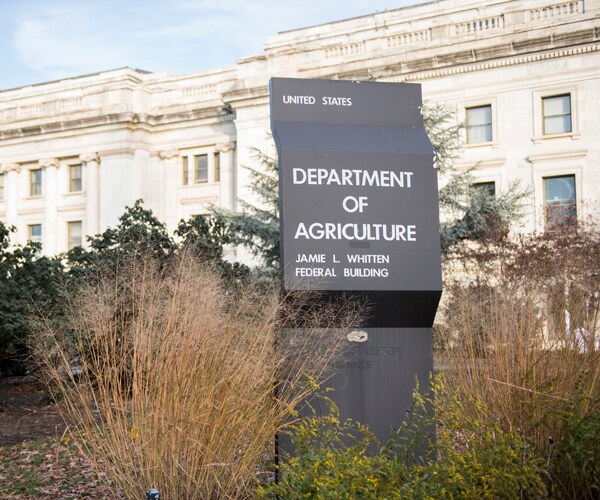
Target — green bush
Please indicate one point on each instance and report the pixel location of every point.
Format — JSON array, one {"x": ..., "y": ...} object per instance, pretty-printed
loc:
[
  {"x": 470, "y": 459},
  {"x": 331, "y": 462},
  {"x": 576, "y": 471}
]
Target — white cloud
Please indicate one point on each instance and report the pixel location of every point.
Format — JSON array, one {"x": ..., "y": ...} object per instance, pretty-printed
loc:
[{"x": 67, "y": 39}]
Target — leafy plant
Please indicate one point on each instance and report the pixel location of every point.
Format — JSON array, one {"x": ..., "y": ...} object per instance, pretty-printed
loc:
[{"x": 470, "y": 460}]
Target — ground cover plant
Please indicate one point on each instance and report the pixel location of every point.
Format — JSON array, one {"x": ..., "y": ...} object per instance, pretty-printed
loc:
[{"x": 175, "y": 381}]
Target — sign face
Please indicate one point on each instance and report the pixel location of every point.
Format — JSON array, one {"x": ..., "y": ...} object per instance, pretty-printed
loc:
[{"x": 358, "y": 189}]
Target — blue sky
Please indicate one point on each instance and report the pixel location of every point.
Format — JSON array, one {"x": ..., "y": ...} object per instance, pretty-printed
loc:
[{"x": 43, "y": 40}]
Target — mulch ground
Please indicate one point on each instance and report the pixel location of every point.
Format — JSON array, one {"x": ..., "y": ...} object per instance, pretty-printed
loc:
[{"x": 37, "y": 458}]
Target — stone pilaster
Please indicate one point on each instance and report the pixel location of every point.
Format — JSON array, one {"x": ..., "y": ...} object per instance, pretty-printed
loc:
[
  {"x": 50, "y": 193},
  {"x": 228, "y": 188},
  {"x": 11, "y": 191},
  {"x": 169, "y": 173},
  {"x": 91, "y": 163}
]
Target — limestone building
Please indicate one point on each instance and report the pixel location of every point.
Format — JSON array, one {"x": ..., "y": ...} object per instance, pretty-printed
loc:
[{"x": 523, "y": 75}]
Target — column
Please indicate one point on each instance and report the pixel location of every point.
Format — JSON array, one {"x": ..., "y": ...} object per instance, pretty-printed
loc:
[
  {"x": 90, "y": 163},
  {"x": 228, "y": 190},
  {"x": 169, "y": 173},
  {"x": 50, "y": 192},
  {"x": 11, "y": 192}
]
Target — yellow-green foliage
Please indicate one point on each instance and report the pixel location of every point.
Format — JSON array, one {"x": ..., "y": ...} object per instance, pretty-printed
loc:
[
  {"x": 331, "y": 462},
  {"x": 470, "y": 460}
]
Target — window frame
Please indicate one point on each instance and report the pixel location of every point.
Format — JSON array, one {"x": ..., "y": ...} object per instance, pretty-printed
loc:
[
  {"x": 188, "y": 167},
  {"x": 544, "y": 117},
  {"x": 556, "y": 227},
  {"x": 30, "y": 236},
  {"x": 71, "y": 178},
  {"x": 185, "y": 171},
  {"x": 490, "y": 124},
  {"x": 538, "y": 96},
  {"x": 480, "y": 184},
  {"x": 69, "y": 233},
  {"x": 205, "y": 169},
  {"x": 32, "y": 173},
  {"x": 216, "y": 166}
]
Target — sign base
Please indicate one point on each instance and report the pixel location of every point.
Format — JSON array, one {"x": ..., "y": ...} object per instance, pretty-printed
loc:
[{"x": 375, "y": 379}]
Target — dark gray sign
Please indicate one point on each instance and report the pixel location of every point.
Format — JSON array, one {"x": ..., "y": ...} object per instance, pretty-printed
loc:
[
  {"x": 358, "y": 189},
  {"x": 359, "y": 213}
]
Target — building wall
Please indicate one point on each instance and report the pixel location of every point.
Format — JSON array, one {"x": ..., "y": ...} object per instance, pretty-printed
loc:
[{"x": 130, "y": 130}]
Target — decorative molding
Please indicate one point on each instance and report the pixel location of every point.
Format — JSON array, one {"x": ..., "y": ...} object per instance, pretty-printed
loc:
[
  {"x": 479, "y": 25},
  {"x": 211, "y": 88},
  {"x": 10, "y": 167},
  {"x": 167, "y": 154},
  {"x": 68, "y": 104},
  {"x": 411, "y": 38},
  {"x": 567, "y": 135},
  {"x": 49, "y": 163},
  {"x": 347, "y": 49},
  {"x": 225, "y": 147},
  {"x": 565, "y": 155},
  {"x": 570, "y": 8},
  {"x": 480, "y": 164},
  {"x": 555, "y": 54},
  {"x": 89, "y": 157}
]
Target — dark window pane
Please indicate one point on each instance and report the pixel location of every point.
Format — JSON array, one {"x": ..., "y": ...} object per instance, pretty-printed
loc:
[{"x": 488, "y": 188}]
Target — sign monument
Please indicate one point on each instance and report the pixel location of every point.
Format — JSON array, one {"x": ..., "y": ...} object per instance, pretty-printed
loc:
[{"x": 359, "y": 213}]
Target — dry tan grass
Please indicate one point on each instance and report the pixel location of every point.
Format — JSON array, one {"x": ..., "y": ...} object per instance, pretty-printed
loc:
[
  {"x": 183, "y": 383},
  {"x": 514, "y": 335}
]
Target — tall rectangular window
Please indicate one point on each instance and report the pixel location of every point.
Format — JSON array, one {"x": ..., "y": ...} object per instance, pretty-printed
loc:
[
  {"x": 479, "y": 124},
  {"x": 557, "y": 114},
  {"x": 35, "y": 182},
  {"x": 1, "y": 187},
  {"x": 75, "y": 183},
  {"x": 185, "y": 175},
  {"x": 201, "y": 169},
  {"x": 74, "y": 234},
  {"x": 34, "y": 233},
  {"x": 217, "y": 167},
  {"x": 488, "y": 188},
  {"x": 561, "y": 202}
]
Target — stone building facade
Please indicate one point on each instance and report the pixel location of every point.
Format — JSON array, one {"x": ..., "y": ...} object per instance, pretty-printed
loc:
[{"x": 523, "y": 75}]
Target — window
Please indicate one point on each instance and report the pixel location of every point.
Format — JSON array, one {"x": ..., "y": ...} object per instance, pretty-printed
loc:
[
  {"x": 488, "y": 188},
  {"x": 217, "y": 167},
  {"x": 35, "y": 233},
  {"x": 201, "y": 169},
  {"x": 185, "y": 178},
  {"x": 479, "y": 124},
  {"x": 35, "y": 182},
  {"x": 1, "y": 186},
  {"x": 75, "y": 178},
  {"x": 556, "y": 114},
  {"x": 561, "y": 202},
  {"x": 74, "y": 234}
]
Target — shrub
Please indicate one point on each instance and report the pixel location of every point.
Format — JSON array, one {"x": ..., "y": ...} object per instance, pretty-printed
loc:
[
  {"x": 177, "y": 377},
  {"x": 471, "y": 459},
  {"x": 520, "y": 329}
]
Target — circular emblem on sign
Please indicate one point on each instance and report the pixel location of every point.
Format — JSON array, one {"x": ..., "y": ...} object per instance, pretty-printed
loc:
[{"x": 357, "y": 336}]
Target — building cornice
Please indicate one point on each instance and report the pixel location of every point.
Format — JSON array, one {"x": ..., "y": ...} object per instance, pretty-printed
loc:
[{"x": 132, "y": 121}]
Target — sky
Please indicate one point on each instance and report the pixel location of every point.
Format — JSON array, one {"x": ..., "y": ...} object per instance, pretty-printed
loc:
[{"x": 43, "y": 40}]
